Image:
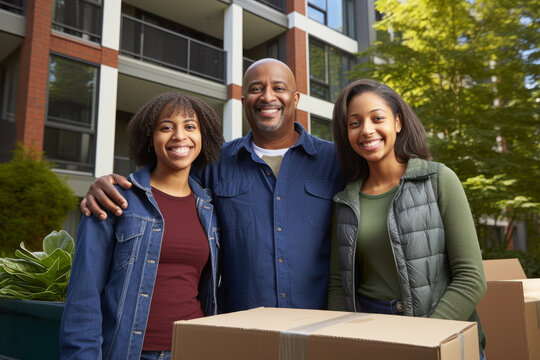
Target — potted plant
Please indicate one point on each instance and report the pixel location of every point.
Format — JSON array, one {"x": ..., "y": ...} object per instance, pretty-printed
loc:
[{"x": 33, "y": 288}]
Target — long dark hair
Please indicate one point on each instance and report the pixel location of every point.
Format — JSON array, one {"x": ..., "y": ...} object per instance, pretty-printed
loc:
[
  {"x": 410, "y": 141},
  {"x": 141, "y": 127}
]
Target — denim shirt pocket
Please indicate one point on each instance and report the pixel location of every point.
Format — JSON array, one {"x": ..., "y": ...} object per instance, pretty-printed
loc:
[
  {"x": 318, "y": 202},
  {"x": 234, "y": 199},
  {"x": 128, "y": 231}
]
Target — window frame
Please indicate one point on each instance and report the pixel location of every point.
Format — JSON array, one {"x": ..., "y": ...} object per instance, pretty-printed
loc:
[
  {"x": 70, "y": 125},
  {"x": 78, "y": 30},
  {"x": 348, "y": 23},
  {"x": 326, "y": 83}
]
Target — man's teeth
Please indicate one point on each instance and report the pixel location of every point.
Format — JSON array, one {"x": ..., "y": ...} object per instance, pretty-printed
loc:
[
  {"x": 372, "y": 143},
  {"x": 180, "y": 150},
  {"x": 268, "y": 111}
]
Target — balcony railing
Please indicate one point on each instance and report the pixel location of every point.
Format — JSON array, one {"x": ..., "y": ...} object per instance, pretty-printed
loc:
[
  {"x": 158, "y": 45},
  {"x": 80, "y": 18},
  {"x": 16, "y": 6},
  {"x": 279, "y": 5},
  {"x": 247, "y": 63},
  {"x": 123, "y": 166}
]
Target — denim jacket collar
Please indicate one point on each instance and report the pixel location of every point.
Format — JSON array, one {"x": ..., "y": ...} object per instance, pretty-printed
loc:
[{"x": 141, "y": 179}]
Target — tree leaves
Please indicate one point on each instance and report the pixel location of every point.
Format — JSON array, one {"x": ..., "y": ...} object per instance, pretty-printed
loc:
[{"x": 470, "y": 71}]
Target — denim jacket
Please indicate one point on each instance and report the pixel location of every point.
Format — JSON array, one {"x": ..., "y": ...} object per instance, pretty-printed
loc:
[{"x": 114, "y": 271}]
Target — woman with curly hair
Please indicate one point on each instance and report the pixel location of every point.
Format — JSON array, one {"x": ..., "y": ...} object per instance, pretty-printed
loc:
[
  {"x": 404, "y": 240},
  {"x": 133, "y": 275}
]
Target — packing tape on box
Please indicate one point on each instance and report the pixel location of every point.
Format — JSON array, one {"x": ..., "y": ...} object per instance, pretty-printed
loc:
[
  {"x": 538, "y": 314},
  {"x": 462, "y": 345},
  {"x": 293, "y": 342}
]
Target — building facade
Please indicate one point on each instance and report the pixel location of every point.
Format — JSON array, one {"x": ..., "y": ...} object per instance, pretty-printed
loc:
[{"x": 73, "y": 72}]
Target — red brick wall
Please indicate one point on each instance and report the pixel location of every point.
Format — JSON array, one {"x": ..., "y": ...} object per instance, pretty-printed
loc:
[
  {"x": 33, "y": 71},
  {"x": 234, "y": 91},
  {"x": 297, "y": 56},
  {"x": 296, "y": 5}
]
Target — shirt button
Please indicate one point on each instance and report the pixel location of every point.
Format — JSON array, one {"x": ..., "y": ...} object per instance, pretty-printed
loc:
[
  {"x": 282, "y": 295},
  {"x": 278, "y": 198},
  {"x": 280, "y": 261},
  {"x": 278, "y": 229},
  {"x": 268, "y": 173},
  {"x": 150, "y": 261}
]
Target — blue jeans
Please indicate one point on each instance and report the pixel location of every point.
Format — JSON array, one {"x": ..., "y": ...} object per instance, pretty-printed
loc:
[
  {"x": 370, "y": 305},
  {"x": 156, "y": 355}
]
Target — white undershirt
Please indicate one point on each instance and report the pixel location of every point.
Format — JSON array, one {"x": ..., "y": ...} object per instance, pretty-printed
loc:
[{"x": 268, "y": 152}]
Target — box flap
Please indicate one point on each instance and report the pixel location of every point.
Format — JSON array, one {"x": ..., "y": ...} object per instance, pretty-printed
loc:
[
  {"x": 503, "y": 269},
  {"x": 531, "y": 289}
]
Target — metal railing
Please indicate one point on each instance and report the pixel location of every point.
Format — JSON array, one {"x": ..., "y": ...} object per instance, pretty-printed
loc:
[
  {"x": 15, "y": 6},
  {"x": 123, "y": 165},
  {"x": 158, "y": 45},
  {"x": 279, "y": 5},
  {"x": 80, "y": 18},
  {"x": 247, "y": 63}
]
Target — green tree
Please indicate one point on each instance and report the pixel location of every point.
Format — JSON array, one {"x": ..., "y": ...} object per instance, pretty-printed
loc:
[
  {"x": 33, "y": 200},
  {"x": 469, "y": 68}
]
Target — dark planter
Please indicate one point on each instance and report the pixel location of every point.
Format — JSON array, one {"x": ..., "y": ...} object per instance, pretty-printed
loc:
[{"x": 29, "y": 329}]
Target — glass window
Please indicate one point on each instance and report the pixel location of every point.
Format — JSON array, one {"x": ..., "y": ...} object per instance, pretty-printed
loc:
[
  {"x": 70, "y": 127},
  {"x": 321, "y": 128},
  {"x": 80, "y": 18},
  {"x": 317, "y": 15},
  {"x": 336, "y": 14},
  {"x": 328, "y": 70},
  {"x": 8, "y": 97}
]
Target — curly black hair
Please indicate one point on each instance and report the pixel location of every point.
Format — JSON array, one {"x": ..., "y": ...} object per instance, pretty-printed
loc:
[
  {"x": 410, "y": 143},
  {"x": 141, "y": 127}
]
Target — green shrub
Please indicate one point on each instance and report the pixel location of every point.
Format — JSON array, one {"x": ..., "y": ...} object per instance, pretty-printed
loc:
[
  {"x": 40, "y": 275},
  {"x": 33, "y": 200}
]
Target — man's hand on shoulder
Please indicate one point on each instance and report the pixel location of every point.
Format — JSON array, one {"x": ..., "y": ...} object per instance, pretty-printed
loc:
[{"x": 103, "y": 193}]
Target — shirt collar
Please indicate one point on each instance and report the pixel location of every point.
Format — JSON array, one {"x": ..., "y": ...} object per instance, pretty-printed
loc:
[{"x": 305, "y": 141}]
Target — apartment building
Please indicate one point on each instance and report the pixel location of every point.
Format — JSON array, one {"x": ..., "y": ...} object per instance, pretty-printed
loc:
[{"x": 73, "y": 72}]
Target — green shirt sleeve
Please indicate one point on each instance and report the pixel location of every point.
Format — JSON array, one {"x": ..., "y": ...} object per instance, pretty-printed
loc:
[
  {"x": 468, "y": 283},
  {"x": 336, "y": 296}
]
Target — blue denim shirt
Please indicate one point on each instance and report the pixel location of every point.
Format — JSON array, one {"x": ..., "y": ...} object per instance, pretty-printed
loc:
[
  {"x": 275, "y": 231},
  {"x": 114, "y": 271}
]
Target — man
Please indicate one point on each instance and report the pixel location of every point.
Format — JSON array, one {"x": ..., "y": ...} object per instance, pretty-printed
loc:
[{"x": 273, "y": 192}]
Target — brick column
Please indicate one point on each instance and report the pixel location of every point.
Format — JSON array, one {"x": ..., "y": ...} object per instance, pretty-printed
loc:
[
  {"x": 297, "y": 56},
  {"x": 34, "y": 69}
]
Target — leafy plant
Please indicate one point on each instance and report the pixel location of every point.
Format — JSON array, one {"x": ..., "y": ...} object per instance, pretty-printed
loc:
[{"x": 40, "y": 275}]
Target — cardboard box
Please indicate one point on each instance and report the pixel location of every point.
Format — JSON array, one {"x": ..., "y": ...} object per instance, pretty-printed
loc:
[
  {"x": 510, "y": 312},
  {"x": 297, "y": 334}
]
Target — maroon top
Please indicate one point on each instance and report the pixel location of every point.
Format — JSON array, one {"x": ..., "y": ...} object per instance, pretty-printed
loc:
[{"x": 184, "y": 253}]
